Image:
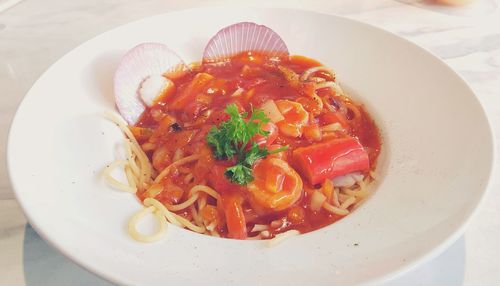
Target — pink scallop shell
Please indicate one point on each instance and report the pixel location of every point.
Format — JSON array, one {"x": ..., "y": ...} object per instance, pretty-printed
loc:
[
  {"x": 241, "y": 37},
  {"x": 140, "y": 62}
]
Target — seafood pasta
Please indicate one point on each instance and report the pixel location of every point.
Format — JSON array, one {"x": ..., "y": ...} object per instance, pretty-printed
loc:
[{"x": 249, "y": 143}]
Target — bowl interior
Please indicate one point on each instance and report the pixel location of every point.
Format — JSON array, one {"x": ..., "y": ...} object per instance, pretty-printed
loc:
[{"x": 432, "y": 173}]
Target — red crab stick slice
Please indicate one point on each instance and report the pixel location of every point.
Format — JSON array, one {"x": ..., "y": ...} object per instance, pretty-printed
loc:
[
  {"x": 242, "y": 37},
  {"x": 142, "y": 77},
  {"x": 331, "y": 159}
]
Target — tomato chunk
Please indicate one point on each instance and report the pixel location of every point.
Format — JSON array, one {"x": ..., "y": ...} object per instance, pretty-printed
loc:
[
  {"x": 330, "y": 159},
  {"x": 235, "y": 217},
  {"x": 218, "y": 180}
]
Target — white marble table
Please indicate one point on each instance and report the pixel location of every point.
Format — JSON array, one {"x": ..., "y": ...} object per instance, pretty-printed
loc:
[{"x": 34, "y": 34}]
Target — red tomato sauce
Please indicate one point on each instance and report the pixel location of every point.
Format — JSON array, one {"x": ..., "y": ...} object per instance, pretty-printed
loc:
[{"x": 177, "y": 126}]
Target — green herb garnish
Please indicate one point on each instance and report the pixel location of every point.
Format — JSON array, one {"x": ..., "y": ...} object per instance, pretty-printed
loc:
[{"x": 231, "y": 139}]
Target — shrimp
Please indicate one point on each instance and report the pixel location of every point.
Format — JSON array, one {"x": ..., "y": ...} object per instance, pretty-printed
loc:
[
  {"x": 276, "y": 187},
  {"x": 295, "y": 118}
]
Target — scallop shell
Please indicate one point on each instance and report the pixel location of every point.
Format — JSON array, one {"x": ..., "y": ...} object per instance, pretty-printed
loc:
[
  {"x": 241, "y": 37},
  {"x": 142, "y": 61}
]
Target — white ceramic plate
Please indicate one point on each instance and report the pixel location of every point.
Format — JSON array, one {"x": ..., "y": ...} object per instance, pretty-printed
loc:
[{"x": 434, "y": 169}]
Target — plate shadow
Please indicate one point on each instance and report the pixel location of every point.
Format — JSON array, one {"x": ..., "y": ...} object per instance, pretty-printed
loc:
[{"x": 44, "y": 265}]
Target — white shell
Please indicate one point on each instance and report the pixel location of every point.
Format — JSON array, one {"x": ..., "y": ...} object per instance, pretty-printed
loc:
[
  {"x": 141, "y": 62},
  {"x": 241, "y": 37}
]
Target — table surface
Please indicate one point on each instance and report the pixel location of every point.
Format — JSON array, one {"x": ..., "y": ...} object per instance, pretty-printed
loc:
[{"x": 34, "y": 34}]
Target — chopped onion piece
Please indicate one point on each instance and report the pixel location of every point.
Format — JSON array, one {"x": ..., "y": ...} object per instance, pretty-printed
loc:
[
  {"x": 260, "y": 227},
  {"x": 271, "y": 110},
  {"x": 317, "y": 200},
  {"x": 238, "y": 92},
  {"x": 331, "y": 127}
]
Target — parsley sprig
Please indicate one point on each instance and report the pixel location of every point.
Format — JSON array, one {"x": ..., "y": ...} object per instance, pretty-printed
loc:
[{"x": 231, "y": 139}]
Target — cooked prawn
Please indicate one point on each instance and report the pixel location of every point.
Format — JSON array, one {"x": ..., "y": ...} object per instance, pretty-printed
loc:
[{"x": 277, "y": 186}]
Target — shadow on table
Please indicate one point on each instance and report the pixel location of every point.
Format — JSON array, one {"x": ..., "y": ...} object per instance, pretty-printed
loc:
[{"x": 45, "y": 266}]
